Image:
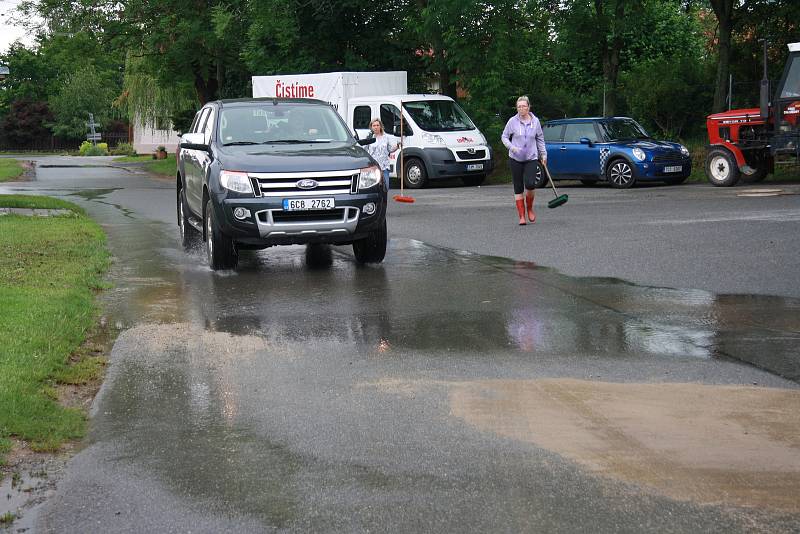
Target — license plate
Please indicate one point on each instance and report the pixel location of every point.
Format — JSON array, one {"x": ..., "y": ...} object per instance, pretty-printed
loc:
[
  {"x": 674, "y": 168},
  {"x": 300, "y": 204},
  {"x": 475, "y": 167}
]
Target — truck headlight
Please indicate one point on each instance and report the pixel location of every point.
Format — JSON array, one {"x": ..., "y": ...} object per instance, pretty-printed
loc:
[
  {"x": 433, "y": 139},
  {"x": 639, "y": 154},
  {"x": 368, "y": 177},
  {"x": 236, "y": 181},
  {"x": 684, "y": 150}
]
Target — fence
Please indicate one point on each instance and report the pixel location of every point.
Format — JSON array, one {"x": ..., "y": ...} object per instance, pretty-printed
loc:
[{"x": 56, "y": 144}]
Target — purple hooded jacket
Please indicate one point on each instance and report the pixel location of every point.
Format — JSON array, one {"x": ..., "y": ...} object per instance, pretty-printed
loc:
[{"x": 524, "y": 140}]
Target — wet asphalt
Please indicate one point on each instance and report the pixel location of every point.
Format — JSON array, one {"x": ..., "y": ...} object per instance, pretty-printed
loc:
[{"x": 303, "y": 392}]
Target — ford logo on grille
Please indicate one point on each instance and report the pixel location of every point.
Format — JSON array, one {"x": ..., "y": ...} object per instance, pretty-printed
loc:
[{"x": 307, "y": 184}]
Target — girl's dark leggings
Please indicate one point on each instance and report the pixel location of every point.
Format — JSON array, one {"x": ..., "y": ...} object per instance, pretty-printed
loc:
[{"x": 523, "y": 173}]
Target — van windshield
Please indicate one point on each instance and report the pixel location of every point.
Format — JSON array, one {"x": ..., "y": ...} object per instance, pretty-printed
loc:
[
  {"x": 438, "y": 116},
  {"x": 283, "y": 123}
]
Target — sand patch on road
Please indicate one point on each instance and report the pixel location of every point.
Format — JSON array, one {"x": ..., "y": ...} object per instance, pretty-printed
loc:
[{"x": 708, "y": 444}]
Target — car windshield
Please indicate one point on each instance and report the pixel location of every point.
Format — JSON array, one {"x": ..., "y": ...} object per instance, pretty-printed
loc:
[
  {"x": 621, "y": 129},
  {"x": 281, "y": 123},
  {"x": 439, "y": 116}
]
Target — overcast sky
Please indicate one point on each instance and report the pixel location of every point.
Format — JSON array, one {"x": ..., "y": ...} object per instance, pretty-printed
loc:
[{"x": 9, "y": 32}]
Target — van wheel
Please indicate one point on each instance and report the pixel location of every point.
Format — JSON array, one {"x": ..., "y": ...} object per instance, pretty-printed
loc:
[
  {"x": 188, "y": 233},
  {"x": 474, "y": 180},
  {"x": 371, "y": 249},
  {"x": 220, "y": 249},
  {"x": 721, "y": 168},
  {"x": 620, "y": 174},
  {"x": 415, "y": 174}
]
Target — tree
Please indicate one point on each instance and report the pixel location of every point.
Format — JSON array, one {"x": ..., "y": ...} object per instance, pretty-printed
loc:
[
  {"x": 24, "y": 124},
  {"x": 723, "y": 10},
  {"x": 85, "y": 91}
]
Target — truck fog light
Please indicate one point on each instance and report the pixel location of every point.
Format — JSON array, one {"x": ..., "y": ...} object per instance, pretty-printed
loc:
[
  {"x": 241, "y": 213},
  {"x": 369, "y": 208}
]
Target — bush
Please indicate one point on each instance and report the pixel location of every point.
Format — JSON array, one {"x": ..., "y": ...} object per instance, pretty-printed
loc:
[
  {"x": 123, "y": 149},
  {"x": 88, "y": 149}
]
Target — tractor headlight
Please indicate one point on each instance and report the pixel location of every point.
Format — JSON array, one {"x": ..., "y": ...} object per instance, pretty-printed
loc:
[
  {"x": 639, "y": 154},
  {"x": 236, "y": 181},
  {"x": 369, "y": 176}
]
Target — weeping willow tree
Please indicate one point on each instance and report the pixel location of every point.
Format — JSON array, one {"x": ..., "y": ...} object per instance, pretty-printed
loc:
[{"x": 150, "y": 103}]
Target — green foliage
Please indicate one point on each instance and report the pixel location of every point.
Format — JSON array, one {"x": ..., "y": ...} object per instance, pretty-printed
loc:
[
  {"x": 88, "y": 148},
  {"x": 86, "y": 91},
  {"x": 25, "y": 123},
  {"x": 123, "y": 149}
]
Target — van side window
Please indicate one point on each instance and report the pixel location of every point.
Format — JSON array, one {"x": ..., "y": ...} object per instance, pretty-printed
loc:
[
  {"x": 390, "y": 117},
  {"x": 361, "y": 117},
  {"x": 552, "y": 132},
  {"x": 574, "y": 132}
]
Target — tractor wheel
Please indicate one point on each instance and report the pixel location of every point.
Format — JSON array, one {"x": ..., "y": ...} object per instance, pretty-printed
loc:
[{"x": 721, "y": 168}]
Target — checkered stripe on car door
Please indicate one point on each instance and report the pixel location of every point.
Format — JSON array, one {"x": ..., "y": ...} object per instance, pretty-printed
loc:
[{"x": 603, "y": 158}]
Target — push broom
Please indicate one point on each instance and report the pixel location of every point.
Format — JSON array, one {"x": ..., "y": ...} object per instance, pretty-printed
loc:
[
  {"x": 560, "y": 200},
  {"x": 401, "y": 197}
]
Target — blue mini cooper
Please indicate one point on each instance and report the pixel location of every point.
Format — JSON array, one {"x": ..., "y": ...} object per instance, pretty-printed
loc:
[{"x": 616, "y": 150}]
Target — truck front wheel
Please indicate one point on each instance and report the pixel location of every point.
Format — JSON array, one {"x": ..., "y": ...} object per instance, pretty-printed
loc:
[
  {"x": 721, "y": 168},
  {"x": 371, "y": 249},
  {"x": 415, "y": 174},
  {"x": 220, "y": 248}
]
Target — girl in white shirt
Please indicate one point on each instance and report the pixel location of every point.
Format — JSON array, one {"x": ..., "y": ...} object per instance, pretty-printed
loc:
[{"x": 381, "y": 148}]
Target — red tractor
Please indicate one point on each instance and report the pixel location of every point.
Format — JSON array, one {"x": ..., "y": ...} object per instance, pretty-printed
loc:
[{"x": 748, "y": 142}]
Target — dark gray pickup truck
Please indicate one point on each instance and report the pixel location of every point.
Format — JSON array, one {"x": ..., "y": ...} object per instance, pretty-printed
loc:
[{"x": 254, "y": 173}]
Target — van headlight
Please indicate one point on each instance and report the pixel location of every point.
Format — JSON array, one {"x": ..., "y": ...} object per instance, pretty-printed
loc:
[
  {"x": 639, "y": 154},
  {"x": 236, "y": 181},
  {"x": 369, "y": 177},
  {"x": 684, "y": 150},
  {"x": 433, "y": 139}
]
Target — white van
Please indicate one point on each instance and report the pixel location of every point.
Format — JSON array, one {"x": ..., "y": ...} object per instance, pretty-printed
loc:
[{"x": 439, "y": 139}]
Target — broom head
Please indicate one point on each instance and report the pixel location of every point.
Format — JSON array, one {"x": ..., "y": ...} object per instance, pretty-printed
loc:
[
  {"x": 558, "y": 201},
  {"x": 401, "y": 198}
]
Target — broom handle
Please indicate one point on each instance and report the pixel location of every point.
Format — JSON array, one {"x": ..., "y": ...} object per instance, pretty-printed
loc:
[
  {"x": 401, "y": 149},
  {"x": 549, "y": 178}
]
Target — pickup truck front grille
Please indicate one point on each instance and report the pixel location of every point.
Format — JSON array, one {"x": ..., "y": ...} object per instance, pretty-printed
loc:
[{"x": 285, "y": 184}]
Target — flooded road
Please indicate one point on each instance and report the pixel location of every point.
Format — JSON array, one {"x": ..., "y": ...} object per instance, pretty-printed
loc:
[{"x": 441, "y": 391}]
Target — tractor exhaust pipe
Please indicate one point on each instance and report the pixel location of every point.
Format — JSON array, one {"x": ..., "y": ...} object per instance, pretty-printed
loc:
[{"x": 764, "y": 96}]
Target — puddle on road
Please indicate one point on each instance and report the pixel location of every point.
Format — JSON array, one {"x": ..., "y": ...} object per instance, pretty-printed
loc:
[{"x": 727, "y": 445}]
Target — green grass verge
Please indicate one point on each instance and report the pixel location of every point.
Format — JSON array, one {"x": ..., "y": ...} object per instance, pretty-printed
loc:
[
  {"x": 10, "y": 169},
  {"x": 140, "y": 158},
  {"x": 162, "y": 167},
  {"x": 50, "y": 268}
]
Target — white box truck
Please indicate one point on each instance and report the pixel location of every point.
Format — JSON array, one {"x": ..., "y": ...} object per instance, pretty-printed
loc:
[{"x": 439, "y": 139}]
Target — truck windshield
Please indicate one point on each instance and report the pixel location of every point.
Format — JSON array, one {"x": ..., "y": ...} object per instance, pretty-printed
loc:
[
  {"x": 438, "y": 116},
  {"x": 620, "y": 129},
  {"x": 281, "y": 123}
]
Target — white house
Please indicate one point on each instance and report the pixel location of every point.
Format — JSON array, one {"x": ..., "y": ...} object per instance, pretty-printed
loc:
[{"x": 146, "y": 138}]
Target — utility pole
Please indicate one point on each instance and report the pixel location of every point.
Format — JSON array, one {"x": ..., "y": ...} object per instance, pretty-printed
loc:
[{"x": 93, "y": 135}]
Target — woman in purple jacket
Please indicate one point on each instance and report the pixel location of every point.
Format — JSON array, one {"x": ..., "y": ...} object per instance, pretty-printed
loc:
[{"x": 524, "y": 139}]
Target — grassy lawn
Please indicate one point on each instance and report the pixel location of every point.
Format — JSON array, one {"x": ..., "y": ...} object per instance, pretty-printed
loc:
[
  {"x": 162, "y": 167},
  {"x": 10, "y": 169},
  {"x": 50, "y": 268}
]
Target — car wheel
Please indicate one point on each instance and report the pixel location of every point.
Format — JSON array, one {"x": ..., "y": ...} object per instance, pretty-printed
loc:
[
  {"x": 188, "y": 233},
  {"x": 620, "y": 174},
  {"x": 371, "y": 249},
  {"x": 474, "y": 180},
  {"x": 220, "y": 249},
  {"x": 415, "y": 174},
  {"x": 540, "y": 180},
  {"x": 588, "y": 182},
  {"x": 721, "y": 168}
]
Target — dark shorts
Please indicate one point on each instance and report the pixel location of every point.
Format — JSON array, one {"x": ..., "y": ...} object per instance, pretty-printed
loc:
[{"x": 523, "y": 173}]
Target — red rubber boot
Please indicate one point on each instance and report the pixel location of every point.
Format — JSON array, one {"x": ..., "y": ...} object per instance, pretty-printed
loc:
[
  {"x": 529, "y": 203},
  {"x": 521, "y": 211}
]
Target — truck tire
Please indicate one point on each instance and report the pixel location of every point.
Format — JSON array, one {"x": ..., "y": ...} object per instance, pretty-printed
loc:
[
  {"x": 371, "y": 249},
  {"x": 473, "y": 180},
  {"x": 721, "y": 168},
  {"x": 220, "y": 249},
  {"x": 415, "y": 174},
  {"x": 619, "y": 174},
  {"x": 189, "y": 236}
]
